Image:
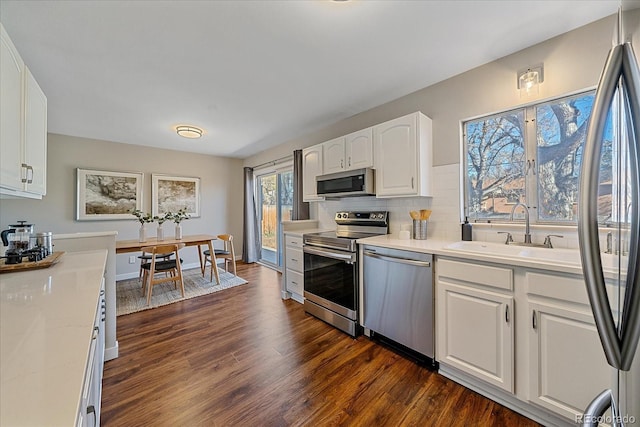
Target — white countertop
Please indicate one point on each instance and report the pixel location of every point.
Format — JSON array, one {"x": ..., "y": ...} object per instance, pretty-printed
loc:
[
  {"x": 299, "y": 233},
  {"x": 46, "y": 326},
  {"x": 563, "y": 263},
  {"x": 83, "y": 235}
]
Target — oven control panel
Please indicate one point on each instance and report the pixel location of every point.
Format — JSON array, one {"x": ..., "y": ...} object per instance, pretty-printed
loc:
[{"x": 356, "y": 217}]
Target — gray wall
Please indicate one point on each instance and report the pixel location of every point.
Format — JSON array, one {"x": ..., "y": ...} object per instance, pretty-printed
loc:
[
  {"x": 572, "y": 62},
  {"x": 220, "y": 186}
]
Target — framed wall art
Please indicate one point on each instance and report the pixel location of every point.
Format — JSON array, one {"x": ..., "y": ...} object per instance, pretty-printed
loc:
[
  {"x": 106, "y": 195},
  {"x": 172, "y": 193}
]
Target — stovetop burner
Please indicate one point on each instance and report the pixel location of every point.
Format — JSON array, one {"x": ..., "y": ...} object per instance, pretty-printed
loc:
[{"x": 350, "y": 227}]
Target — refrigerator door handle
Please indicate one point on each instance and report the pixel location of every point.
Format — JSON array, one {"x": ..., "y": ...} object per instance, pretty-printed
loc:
[
  {"x": 619, "y": 349},
  {"x": 588, "y": 218},
  {"x": 630, "y": 324},
  {"x": 596, "y": 409}
]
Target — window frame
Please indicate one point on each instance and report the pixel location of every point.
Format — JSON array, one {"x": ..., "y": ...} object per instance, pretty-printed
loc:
[{"x": 530, "y": 151}]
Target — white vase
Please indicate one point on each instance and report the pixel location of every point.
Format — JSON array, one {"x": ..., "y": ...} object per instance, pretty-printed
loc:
[
  {"x": 178, "y": 232},
  {"x": 160, "y": 234},
  {"x": 142, "y": 234}
]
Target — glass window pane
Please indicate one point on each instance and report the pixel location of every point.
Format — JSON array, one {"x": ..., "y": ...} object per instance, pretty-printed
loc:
[
  {"x": 268, "y": 217},
  {"x": 560, "y": 131},
  {"x": 495, "y": 158},
  {"x": 286, "y": 195}
]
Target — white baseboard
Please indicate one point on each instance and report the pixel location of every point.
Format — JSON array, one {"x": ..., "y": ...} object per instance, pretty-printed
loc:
[
  {"x": 512, "y": 402},
  {"x": 111, "y": 352},
  {"x": 136, "y": 274}
]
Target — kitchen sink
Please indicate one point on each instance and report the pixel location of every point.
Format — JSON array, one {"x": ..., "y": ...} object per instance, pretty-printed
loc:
[{"x": 553, "y": 256}]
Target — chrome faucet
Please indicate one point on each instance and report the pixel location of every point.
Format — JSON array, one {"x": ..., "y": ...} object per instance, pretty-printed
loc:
[{"x": 527, "y": 229}]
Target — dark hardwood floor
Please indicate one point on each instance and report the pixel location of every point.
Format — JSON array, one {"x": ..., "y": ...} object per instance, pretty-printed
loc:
[{"x": 245, "y": 357}]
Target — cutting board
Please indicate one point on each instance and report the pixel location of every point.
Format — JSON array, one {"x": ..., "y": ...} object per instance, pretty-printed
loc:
[{"x": 30, "y": 265}]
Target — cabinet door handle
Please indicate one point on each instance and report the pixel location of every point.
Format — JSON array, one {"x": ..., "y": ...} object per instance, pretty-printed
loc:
[
  {"x": 29, "y": 174},
  {"x": 506, "y": 314},
  {"x": 341, "y": 164},
  {"x": 349, "y": 161},
  {"x": 294, "y": 283},
  {"x": 25, "y": 169},
  {"x": 534, "y": 321},
  {"x": 92, "y": 410},
  {"x": 412, "y": 183}
]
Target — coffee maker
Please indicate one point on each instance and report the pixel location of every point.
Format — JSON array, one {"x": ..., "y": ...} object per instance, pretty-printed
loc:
[{"x": 18, "y": 241}]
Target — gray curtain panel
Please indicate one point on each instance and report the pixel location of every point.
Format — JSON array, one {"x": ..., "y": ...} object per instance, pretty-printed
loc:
[
  {"x": 251, "y": 235},
  {"x": 300, "y": 208}
]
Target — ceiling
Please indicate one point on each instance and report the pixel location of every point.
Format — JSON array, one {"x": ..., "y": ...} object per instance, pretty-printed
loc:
[{"x": 254, "y": 74}]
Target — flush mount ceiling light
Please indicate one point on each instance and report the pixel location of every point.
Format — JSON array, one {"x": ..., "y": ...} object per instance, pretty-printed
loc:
[
  {"x": 529, "y": 80},
  {"x": 190, "y": 132}
]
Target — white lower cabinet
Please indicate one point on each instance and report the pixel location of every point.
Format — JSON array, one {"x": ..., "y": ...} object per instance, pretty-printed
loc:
[
  {"x": 567, "y": 366},
  {"x": 89, "y": 413},
  {"x": 545, "y": 360},
  {"x": 480, "y": 341},
  {"x": 475, "y": 326},
  {"x": 294, "y": 267}
]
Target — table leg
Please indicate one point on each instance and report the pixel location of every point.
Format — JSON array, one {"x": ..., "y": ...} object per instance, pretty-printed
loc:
[
  {"x": 203, "y": 263},
  {"x": 214, "y": 264}
]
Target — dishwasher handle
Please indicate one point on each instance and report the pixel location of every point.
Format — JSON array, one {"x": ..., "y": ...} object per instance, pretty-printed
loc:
[{"x": 398, "y": 260}]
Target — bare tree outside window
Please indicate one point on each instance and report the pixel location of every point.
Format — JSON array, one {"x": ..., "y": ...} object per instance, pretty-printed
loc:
[
  {"x": 495, "y": 164},
  {"x": 533, "y": 155}
]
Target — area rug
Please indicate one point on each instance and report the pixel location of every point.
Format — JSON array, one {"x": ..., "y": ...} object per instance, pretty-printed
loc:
[{"x": 130, "y": 298}]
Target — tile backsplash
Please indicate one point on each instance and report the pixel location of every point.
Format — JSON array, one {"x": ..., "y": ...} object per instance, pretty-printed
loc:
[
  {"x": 445, "y": 204},
  {"x": 444, "y": 222}
]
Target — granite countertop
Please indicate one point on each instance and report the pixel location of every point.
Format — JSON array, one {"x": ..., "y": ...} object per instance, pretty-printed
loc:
[{"x": 46, "y": 327}]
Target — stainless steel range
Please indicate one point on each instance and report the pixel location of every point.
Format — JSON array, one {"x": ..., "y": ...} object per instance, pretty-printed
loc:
[{"x": 331, "y": 268}]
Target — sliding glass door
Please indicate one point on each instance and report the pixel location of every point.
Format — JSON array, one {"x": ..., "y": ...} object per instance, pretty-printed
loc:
[{"x": 274, "y": 190}]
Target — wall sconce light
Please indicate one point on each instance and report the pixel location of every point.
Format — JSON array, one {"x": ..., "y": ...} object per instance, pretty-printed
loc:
[
  {"x": 190, "y": 132},
  {"x": 529, "y": 80}
]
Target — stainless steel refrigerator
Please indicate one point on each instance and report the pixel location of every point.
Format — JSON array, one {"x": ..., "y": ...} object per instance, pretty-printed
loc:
[{"x": 615, "y": 295}]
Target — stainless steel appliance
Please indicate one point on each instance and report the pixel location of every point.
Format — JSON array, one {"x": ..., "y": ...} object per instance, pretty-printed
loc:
[
  {"x": 398, "y": 300},
  {"x": 617, "y": 315},
  {"x": 358, "y": 182},
  {"x": 331, "y": 268}
]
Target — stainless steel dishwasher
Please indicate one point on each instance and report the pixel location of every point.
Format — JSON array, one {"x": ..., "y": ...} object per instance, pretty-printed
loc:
[{"x": 398, "y": 299}]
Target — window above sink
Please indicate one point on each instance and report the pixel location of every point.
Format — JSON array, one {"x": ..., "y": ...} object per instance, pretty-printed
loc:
[{"x": 533, "y": 155}]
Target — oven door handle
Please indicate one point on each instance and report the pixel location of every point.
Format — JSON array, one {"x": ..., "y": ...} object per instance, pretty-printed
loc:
[
  {"x": 348, "y": 258},
  {"x": 325, "y": 245},
  {"x": 396, "y": 259}
]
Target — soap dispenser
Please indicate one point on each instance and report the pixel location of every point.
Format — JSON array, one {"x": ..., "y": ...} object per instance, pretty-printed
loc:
[{"x": 467, "y": 232}]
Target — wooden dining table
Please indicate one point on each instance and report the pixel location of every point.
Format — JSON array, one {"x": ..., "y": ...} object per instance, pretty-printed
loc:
[{"x": 134, "y": 245}]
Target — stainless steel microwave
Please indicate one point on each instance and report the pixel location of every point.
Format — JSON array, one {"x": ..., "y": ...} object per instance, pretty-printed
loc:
[{"x": 358, "y": 182}]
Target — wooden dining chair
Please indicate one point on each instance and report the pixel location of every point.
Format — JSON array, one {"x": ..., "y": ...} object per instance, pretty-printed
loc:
[
  {"x": 226, "y": 254},
  {"x": 171, "y": 268},
  {"x": 145, "y": 259}
]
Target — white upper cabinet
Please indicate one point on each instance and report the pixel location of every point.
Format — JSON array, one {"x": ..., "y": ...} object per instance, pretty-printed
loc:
[
  {"x": 402, "y": 156},
  {"x": 333, "y": 155},
  {"x": 311, "y": 167},
  {"x": 354, "y": 151},
  {"x": 11, "y": 73},
  {"x": 35, "y": 136},
  {"x": 359, "y": 149},
  {"x": 23, "y": 127}
]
